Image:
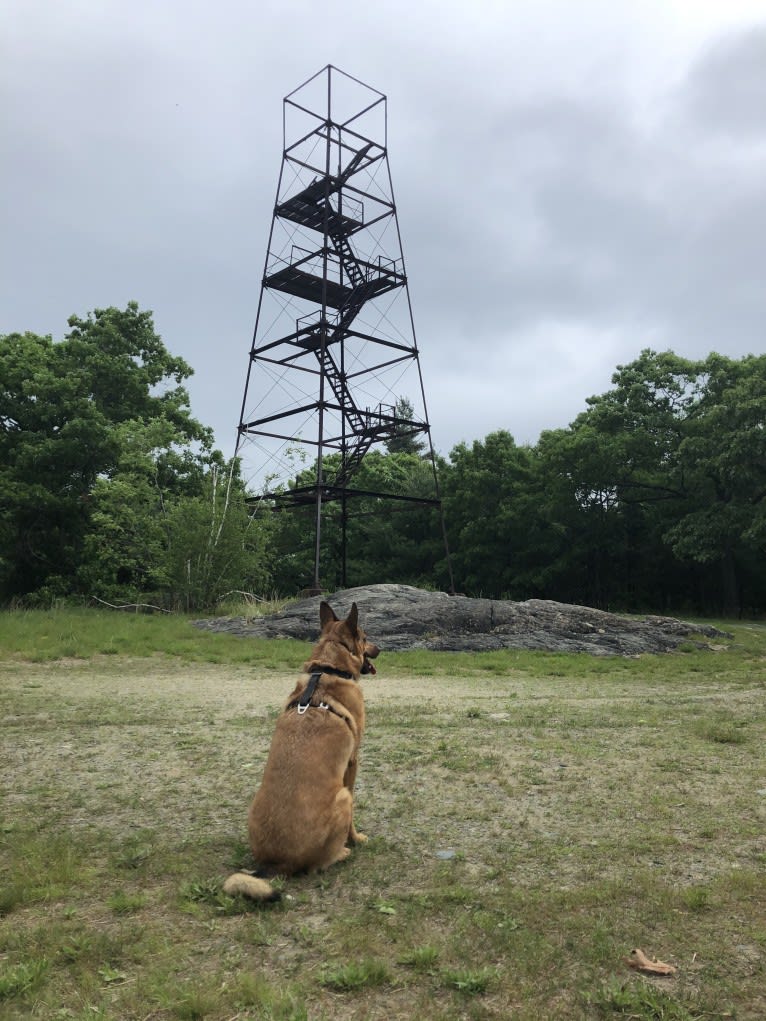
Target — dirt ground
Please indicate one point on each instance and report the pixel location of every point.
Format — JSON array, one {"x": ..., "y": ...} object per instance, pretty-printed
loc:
[
  {"x": 147, "y": 732},
  {"x": 570, "y": 785},
  {"x": 131, "y": 746},
  {"x": 232, "y": 690}
]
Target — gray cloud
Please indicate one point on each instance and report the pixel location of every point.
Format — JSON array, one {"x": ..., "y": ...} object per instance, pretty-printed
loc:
[
  {"x": 565, "y": 196},
  {"x": 726, "y": 88}
]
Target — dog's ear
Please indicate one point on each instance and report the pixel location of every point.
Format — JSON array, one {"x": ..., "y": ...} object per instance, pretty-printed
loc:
[
  {"x": 326, "y": 615},
  {"x": 352, "y": 621}
]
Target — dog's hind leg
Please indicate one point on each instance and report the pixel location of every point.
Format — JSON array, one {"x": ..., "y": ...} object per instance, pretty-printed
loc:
[
  {"x": 339, "y": 825},
  {"x": 353, "y": 837}
]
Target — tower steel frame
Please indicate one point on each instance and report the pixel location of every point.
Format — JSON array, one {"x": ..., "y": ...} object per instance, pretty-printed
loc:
[{"x": 332, "y": 346}]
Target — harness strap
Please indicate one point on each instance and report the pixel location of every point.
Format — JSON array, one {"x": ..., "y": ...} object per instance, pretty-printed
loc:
[{"x": 305, "y": 700}]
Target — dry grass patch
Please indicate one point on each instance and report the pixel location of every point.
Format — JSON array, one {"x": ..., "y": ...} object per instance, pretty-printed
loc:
[{"x": 529, "y": 828}]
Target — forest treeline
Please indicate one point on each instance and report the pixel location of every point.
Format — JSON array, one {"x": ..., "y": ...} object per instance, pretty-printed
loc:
[{"x": 653, "y": 499}]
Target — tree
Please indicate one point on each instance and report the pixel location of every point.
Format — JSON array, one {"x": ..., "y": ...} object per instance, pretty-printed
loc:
[
  {"x": 680, "y": 445},
  {"x": 182, "y": 537},
  {"x": 404, "y": 440},
  {"x": 98, "y": 454},
  {"x": 386, "y": 540},
  {"x": 214, "y": 543},
  {"x": 601, "y": 551},
  {"x": 490, "y": 494},
  {"x": 721, "y": 470}
]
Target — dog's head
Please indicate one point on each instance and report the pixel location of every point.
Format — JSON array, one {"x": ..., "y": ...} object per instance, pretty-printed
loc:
[{"x": 348, "y": 633}]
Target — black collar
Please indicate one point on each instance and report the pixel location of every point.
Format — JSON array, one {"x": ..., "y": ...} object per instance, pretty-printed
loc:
[
  {"x": 318, "y": 668},
  {"x": 308, "y": 692}
]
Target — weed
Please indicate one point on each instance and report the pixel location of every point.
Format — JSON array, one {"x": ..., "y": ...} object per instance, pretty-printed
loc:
[
  {"x": 22, "y": 978},
  {"x": 194, "y": 1003},
  {"x": 75, "y": 947},
  {"x": 12, "y": 896},
  {"x": 133, "y": 856},
  {"x": 722, "y": 733},
  {"x": 355, "y": 975},
  {"x": 473, "y": 981},
  {"x": 254, "y": 992},
  {"x": 41, "y": 867},
  {"x": 208, "y": 892},
  {"x": 696, "y": 898},
  {"x": 123, "y": 903},
  {"x": 644, "y": 1002},
  {"x": 422, "y": 959},
  {"x": 110, "y": 975}
]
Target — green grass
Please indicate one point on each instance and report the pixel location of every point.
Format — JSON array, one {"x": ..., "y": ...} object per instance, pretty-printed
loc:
[
  {"x": 532, "y": 819},
  {"x": 355, "y": 975},
  {"x": 23, "y": 978},
  {"x": 41, "y": 636},
  {"x": 470, "y": 981},
  {"x": 646, "y": 1003}
]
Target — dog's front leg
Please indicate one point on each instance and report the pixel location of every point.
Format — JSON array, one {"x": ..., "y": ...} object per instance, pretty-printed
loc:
[{"x": 349, "y": 779}]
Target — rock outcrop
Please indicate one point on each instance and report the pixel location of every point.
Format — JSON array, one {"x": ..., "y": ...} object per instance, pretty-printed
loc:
[{"x": 400, "y": 617}]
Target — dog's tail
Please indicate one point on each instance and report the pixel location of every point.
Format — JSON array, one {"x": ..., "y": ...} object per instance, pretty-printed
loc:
[{"x": 247, "y": 885}]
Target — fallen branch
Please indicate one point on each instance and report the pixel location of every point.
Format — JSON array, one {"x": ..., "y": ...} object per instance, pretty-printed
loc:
[
  {"x": 248, "y": 596},
  {"x": 131, "y": 606},
  {"x": 641, "y": 962}
]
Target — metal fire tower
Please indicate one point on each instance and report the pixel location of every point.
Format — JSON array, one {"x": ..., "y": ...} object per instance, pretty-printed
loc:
[{"x": 334, "y": 366}]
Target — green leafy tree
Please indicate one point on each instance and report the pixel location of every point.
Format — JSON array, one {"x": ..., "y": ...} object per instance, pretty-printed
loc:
[
  {"x": 677, "y": 448},
  {"x": 601, "y": 551},
  {"x": 215, "y": 544},
  {"x": 721, "y": 470},
  {"x": 123, "y": 548},
  {"x": 395, "y": 541},
  {"x": 490, "y": 501},
  {"x": 59, "y": 406},
  {"x": 99, "y": 453},
  {"x": 405, "y": 438},
  {"x": 170, "y": 528},
  {"x": 386, "y": 540}
]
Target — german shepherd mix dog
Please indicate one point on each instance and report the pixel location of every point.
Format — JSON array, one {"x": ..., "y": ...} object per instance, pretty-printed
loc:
[{"x": 301, "y": 818}]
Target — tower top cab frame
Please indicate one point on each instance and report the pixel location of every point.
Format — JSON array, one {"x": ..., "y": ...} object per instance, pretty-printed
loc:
[{"x": 334, "y": 367}]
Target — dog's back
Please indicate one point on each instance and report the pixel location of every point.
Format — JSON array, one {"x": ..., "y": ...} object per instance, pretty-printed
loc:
[{"x": 300, "y": 817}]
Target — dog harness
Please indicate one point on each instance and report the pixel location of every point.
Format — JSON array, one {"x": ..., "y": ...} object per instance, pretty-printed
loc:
[{"x": 304, "y": 702}]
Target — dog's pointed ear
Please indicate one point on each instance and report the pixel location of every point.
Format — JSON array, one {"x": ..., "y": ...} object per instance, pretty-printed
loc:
[
  {"x": 352, "y": 620},
  {"x": 326, "y": 615}
]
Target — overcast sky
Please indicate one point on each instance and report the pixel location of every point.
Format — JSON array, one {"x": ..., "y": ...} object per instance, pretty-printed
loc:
[{"x": 575, "y": 181}]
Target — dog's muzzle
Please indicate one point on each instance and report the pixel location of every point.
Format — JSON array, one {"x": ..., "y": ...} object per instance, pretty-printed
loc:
[{"x": 368, "y": 667}]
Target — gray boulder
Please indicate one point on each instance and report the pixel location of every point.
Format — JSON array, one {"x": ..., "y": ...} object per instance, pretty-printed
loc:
[{"x": 400, "y": 617}]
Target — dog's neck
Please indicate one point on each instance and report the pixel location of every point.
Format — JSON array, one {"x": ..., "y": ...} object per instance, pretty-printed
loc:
[{"x": 315, "y": 667}]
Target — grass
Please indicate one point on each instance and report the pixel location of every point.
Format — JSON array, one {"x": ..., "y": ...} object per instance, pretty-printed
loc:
[
  {"x": 533, "y": 818},
  {"x": 43, "y": 636},
  {"x": 355, "y": 975},
  {"x": 22, "y": 978}
]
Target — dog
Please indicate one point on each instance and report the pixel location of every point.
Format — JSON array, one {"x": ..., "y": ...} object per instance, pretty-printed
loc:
[{"x": 301, "y": 818}]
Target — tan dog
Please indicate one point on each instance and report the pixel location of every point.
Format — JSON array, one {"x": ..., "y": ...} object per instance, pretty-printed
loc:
[{"x": 302, "y": 815}]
